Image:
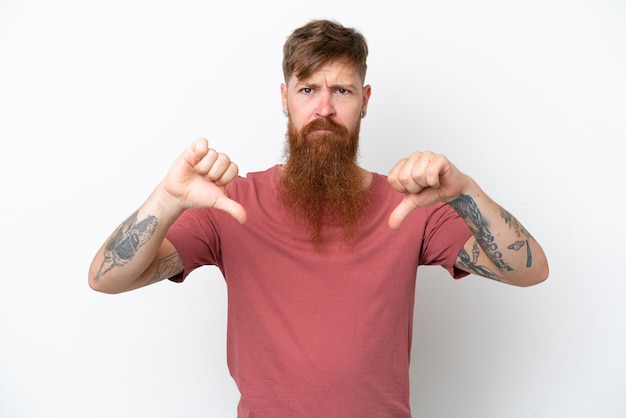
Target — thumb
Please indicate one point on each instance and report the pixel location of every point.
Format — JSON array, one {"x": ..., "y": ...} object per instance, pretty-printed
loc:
[
  {"x": 231, "y": 207},
  {"x": 409, "y": 204}
]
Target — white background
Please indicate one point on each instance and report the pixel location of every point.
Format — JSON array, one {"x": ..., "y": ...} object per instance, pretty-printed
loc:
[{"x": 98, "y": 98}]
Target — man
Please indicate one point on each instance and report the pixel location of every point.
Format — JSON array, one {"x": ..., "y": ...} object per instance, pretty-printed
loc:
[{"x": 319, "y": 255}]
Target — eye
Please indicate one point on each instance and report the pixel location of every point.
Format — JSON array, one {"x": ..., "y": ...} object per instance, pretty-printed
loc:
[
  {"x": 307, "y": 90},
  {"x": 343, "y": 92}
]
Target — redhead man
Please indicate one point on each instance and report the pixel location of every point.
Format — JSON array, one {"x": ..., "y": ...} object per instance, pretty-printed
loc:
[{"x": 319, "y": 254}]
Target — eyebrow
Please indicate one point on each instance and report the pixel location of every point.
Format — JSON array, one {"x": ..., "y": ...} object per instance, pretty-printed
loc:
[{"x": 332, "y": 87}]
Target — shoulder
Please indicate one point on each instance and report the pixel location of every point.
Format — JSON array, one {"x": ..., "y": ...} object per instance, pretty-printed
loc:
[{"x": 255, "y": 179}]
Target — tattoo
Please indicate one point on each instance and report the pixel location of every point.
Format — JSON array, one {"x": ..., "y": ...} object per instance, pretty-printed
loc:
[
  {"x": 513, "y": 223},
  {"x": 517, "y": 245},
  {"x": 519, "y": 231},
  {"x": 167, "y": 267},
  {"x": 470, "y": 263},
  {"x": 468, "y": 210},
  {"x": 125, "y": 242}
]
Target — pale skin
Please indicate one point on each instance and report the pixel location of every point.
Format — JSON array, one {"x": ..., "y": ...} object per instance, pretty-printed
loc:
[{"x": 138, "y": 254}]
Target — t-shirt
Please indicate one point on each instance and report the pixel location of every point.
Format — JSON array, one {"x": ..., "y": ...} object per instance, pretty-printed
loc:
[{"x": 318, "y": 333}]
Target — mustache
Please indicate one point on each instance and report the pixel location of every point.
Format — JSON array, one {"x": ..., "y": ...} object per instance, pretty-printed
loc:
[{"x": 326, "y": 124}]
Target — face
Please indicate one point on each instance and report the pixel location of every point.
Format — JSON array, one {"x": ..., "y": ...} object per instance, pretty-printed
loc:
[
  {"x": 321, "y": 183},
  {"x": 335, "y": 91}
]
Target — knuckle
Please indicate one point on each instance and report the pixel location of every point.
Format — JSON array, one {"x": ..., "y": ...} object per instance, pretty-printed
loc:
[{"x": 405, "y": 178}]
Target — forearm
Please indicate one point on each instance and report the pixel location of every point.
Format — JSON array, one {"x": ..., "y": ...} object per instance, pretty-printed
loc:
[
  {"x": 134, "y": 254},
  {"x": 503, "y": 249}
]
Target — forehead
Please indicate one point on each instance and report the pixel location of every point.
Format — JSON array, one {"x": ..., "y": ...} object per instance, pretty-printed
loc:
[{"x": 335, "y": 72}]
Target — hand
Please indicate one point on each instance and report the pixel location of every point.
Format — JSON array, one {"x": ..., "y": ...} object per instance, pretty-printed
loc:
[
  {"x": 198, "y": 177},
  {"x": 425, "y": 178}
]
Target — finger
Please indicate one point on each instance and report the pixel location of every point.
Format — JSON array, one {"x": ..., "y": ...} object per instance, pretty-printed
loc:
[
  {"x": 231, "y": 207},
  {"x": 393, "y": 176},
  {"x": 413, "y": 174},
  {"x": 421, "y": 172},
  {"x": 432, "y": 171},
  {"x": 408, "y": 180},
  {"x": 401, "y": 176},
  {"x": 229, "y": 175},
  {"x": 205, "y": 164},
  {"x": 409, "y": 204},
  {"x": 196, "y": 151},
  {"x": 222, "y": 170}
]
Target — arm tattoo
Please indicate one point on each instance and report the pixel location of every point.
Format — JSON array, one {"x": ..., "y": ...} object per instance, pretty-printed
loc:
[
  {"x": 125, "y": 242},
  {"x": 519, "y": 231},
  {"x": 167, "y": 267},
  {"x": 470, "y": 263},
  {"x": 468, "y": 210}
]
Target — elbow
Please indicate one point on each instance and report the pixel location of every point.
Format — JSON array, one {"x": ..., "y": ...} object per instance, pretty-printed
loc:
[
  {"x": 98, "y": 285},
  {"x": 112, "y": 283},
  {"x": 102, "y": 287},
  {"x": 539, "y": 275},
  {"x": 541, "y": 269},
  {"x": 93, "y": 280},
  {"x": 95, "y": 285},
  {"x": 542, "y": 273}
]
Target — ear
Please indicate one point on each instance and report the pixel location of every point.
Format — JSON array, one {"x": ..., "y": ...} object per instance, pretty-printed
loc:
[
  {"x": 367, "y": 93},
  {"x": 283, "y": 94}
]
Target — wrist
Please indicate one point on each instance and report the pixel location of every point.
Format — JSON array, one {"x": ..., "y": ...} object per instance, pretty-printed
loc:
[{"x": 163, "y": 204}]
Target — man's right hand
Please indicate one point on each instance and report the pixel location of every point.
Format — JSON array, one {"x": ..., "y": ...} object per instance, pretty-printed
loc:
[{"x": 198, "y": 178}]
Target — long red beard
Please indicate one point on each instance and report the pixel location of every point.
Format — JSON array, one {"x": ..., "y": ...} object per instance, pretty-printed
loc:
[{"x": 321, "y": 184}]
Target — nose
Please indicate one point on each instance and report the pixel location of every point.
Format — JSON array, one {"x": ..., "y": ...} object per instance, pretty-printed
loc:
[{"x": 325, "y": 108}]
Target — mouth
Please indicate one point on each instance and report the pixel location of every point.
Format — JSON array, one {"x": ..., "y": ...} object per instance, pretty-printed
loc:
[
  {"x": 322, "y": 131},
  {"x": 323, "y": 128}
]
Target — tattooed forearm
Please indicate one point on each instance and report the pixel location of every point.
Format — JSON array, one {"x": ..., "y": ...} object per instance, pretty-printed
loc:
[
  {"x": 125, "y": 242},
  {"x": 468, "y": 210},
  {"x": 470, "y": 263}
]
